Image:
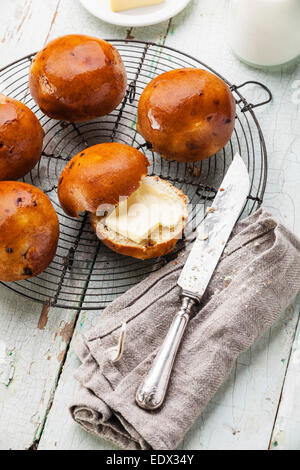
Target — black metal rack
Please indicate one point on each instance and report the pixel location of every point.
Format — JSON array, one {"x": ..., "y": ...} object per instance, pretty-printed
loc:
[{"x": 84, "y": 273}]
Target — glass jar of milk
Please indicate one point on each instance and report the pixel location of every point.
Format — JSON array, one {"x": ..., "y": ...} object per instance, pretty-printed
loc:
[{"x": 265, "y": 33}]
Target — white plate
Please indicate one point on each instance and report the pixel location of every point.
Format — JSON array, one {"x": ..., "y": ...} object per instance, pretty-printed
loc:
[{"x": 143, "y": 16}]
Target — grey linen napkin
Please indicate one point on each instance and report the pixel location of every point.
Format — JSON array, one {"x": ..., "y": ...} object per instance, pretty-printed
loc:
[{"x": 256, "y": 279}]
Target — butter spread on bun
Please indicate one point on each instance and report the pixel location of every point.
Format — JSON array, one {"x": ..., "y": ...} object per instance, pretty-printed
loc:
[
  {"x": 77, "y": 78},
  {"x": 132, "y": 213},
  {"x": 150, "y": 207},
  {"x": 152, "y": 224},
  {"x": 186, "y": 115}
]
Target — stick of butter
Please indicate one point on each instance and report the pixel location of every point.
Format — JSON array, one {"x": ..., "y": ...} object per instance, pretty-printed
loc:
[{"x": 121, "y": 5}]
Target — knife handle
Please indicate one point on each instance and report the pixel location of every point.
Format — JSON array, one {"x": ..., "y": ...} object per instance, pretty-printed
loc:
[{"x": 152, "y": 391}]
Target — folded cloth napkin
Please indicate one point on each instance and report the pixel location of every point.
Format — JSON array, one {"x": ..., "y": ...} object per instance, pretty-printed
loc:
[{"x": 256, "y": 279}]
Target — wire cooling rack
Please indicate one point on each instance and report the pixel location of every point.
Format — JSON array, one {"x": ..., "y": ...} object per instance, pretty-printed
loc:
[{"x": 84, "y": 273}]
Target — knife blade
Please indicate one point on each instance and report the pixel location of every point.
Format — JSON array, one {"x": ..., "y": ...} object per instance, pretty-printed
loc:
[
  {"x": 195, "y": 276},
  {"x": 215, "y": 230}
]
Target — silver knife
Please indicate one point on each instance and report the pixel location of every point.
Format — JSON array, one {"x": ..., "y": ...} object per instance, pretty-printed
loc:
[{"x": 195, "y": 276}]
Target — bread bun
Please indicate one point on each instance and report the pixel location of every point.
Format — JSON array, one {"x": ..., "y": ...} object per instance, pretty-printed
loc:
[
  {"x": 29, "y": 231},
  {"x": 100, "y": 175},
  {"x": 187, "y": 114},
  {"x": 21, "y": 139},
  {"x": 77, "y": 78},
  {"x": 160, "y": 242},
  {"x": 132, "y": 213}
]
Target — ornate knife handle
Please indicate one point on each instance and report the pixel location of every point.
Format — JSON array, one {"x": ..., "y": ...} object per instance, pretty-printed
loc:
[{"x": 151, "y": 393}]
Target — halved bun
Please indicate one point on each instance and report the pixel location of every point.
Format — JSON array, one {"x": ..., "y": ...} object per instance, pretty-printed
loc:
[
  {"x": 161, "y": 241},
  {"x": 100, "y": 175}
]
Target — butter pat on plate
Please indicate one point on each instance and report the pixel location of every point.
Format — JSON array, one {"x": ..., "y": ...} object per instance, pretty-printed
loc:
[
  {"x": 134, "y": 13},
  {"x": 122, "y": 5}
]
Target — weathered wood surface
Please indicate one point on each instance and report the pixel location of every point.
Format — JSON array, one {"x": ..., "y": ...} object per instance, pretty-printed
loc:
[{"x": 259, "y": 406}]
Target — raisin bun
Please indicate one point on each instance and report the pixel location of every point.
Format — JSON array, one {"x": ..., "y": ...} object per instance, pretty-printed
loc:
[
  {"x": 186, "y": 115},
  {"x": 133, "y": 214},
  {"x": 77, "y": 78},
  {"x": 29, "y": 231},
  {"x": 21, "y": 139}
]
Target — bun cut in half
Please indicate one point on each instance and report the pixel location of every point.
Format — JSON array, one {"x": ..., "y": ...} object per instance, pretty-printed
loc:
[
  {"x": 100, "y": 175},
  {"x": 77, "y": 78},
  {"x": 29, "y": 231},
  {"x": 132, "y": 213},
  {"x": 21, "y": 139},
  {"x": 186, "y": 115},
  {"x": 152, "y": 236}
]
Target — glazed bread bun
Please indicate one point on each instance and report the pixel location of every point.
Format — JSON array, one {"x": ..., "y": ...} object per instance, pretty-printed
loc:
[
  {"x": 21, "y": 139},
  {"x": 100, "y": 175},
  {"x": 186, "y": 115},
  {"x": 29, "y": 231},
  {"x": 77, "y": 78},
  {"x": 132, "y": 213}
]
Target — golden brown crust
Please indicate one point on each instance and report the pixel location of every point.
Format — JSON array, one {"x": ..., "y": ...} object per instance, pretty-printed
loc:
[
  {"x": 21, "y": 139},
  {"x": 186, "y": 114},
  {"x": 29, "y": 231},
  {"x": 77, "y": 78},
  {"x": 148, "y": 252},
  {"x": 140, "y": 252},
  {"x": 100, "y": 175}
]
